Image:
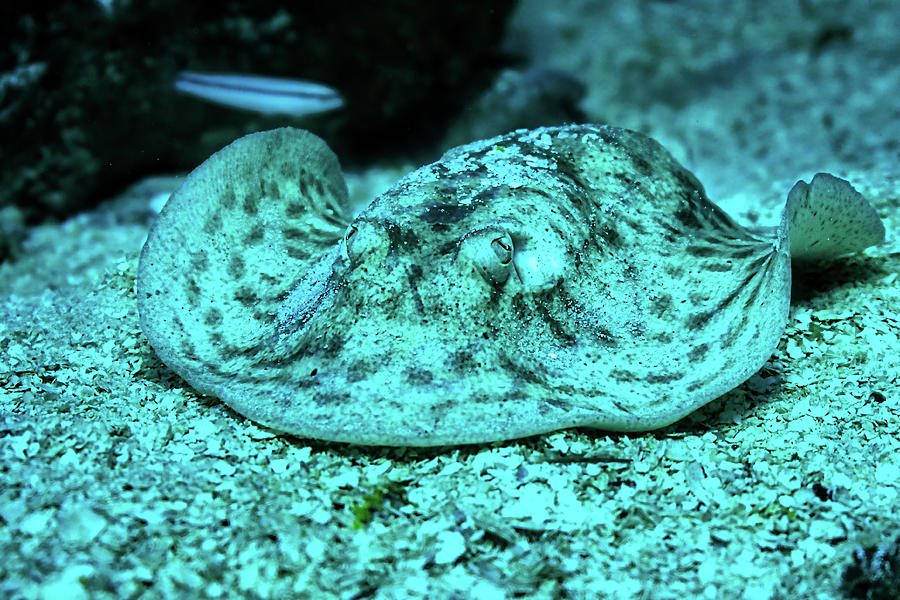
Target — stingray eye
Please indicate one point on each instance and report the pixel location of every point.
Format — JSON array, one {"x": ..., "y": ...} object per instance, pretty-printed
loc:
[
  {"x": 490, "y": 252},
  {"x": 363, "y": 240},
  {"x": 502, "y": 247},
  {"x": 346, "y": 243}
]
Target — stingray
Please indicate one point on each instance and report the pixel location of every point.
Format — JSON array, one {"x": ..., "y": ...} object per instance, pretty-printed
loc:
[{"x": 539, "y": 280}]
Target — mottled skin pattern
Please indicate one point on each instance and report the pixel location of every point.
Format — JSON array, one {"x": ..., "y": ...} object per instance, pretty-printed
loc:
[{"x": 534, "y": 281}]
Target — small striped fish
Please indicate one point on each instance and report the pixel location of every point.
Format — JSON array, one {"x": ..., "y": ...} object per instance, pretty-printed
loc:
[{"x": 267, "y": 95}]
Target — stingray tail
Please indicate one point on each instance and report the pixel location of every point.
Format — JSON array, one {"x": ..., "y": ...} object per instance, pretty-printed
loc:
[{"x": 827, "y": 218}]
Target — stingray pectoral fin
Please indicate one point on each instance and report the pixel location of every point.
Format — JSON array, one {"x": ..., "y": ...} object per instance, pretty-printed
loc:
[
  {"x": 827, "y": 218},
  {"x": 231, "y": 242}
]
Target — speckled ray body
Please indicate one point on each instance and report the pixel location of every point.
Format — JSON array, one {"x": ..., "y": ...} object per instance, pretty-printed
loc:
[{"x": 530, "y": 282}]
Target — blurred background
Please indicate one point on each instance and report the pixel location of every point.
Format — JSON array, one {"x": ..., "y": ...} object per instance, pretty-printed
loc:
[{"x": 749, "y": 95}]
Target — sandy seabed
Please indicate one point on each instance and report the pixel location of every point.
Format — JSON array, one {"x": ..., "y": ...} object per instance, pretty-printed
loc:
[{"x": 119, "y": 481}]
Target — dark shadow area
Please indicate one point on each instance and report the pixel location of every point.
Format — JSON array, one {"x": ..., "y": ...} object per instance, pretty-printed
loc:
[{"x": 810, "y": 280}]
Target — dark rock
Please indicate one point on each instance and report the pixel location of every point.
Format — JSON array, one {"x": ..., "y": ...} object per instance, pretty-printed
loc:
[
  {"x": 87, "y": 102},
  {"x": 520, "y": 99}
]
